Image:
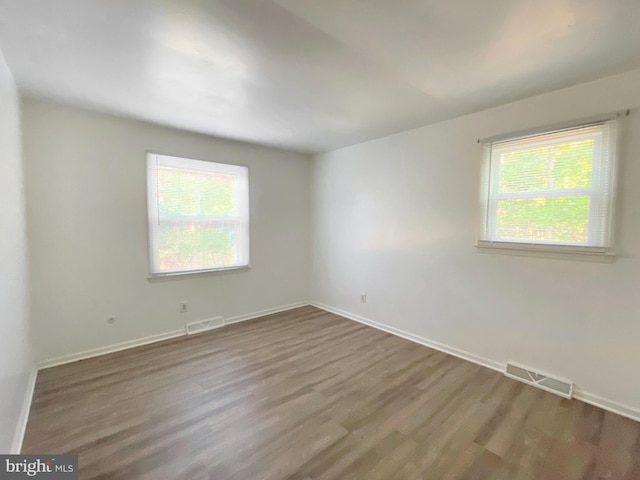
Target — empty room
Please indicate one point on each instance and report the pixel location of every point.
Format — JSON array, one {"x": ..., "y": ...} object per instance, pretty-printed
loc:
[{"x": 320, "y": 240}]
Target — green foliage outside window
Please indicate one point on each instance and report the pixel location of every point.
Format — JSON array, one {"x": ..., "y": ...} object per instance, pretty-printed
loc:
[
  {"x": 186, "y": 238},
  {"x": 546, "y": 168}
]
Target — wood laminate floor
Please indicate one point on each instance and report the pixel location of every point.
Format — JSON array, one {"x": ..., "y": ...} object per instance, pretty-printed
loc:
[{"x": 308, "y": 395}]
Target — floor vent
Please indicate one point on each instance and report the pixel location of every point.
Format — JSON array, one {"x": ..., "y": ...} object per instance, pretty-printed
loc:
[
  {"x": 204, "y": 325},
  {"x": 564, "y": 388}
]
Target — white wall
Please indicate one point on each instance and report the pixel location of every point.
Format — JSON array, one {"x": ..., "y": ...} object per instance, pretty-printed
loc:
[
  {"x": 397, "y": 218},
  {"x": 15, "y": 352},
  {"x": 86, "y": 187}
]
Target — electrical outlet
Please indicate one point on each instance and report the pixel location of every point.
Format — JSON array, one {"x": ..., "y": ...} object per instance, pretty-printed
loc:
[
  {"x": 111, "y": 320},
  {"x": 183, "y": 308},
  {"x": 363, "y": 297}
]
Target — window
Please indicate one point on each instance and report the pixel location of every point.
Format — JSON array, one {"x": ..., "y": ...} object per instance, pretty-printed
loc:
[
  {"x": 198, "y": 215},
  {"x": 551, "y": 191}
]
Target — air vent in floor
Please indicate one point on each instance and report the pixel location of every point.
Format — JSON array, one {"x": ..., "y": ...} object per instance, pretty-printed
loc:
[
  {"x": 561, "y": 387},
  {"x": 204, "y": 325}
]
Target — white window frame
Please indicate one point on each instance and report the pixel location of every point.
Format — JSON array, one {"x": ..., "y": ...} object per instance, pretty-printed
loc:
[
  {"x": 490, "y": 196},
  {"x": 153, "y": 160}
]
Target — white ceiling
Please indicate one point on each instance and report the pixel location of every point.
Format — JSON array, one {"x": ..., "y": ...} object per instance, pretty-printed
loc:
[{"x": 310, "y": 75}]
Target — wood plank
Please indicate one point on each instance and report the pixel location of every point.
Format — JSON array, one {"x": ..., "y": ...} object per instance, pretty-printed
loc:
[{"x": 309, "y": 395}]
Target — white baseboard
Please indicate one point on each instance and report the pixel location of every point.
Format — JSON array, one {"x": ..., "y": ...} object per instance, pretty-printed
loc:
[
  {"x": 587, "y": 397},
  {"x": 96, "y": 352},
  {"x": 16, "y": 445},
  {"x": 262, "y": 313},
  {"x": 606, "y": 404},
  {"x": 456, "y": 352}
]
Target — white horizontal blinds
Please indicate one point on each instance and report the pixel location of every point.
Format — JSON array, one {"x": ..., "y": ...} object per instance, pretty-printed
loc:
[
  {"x": 554, "y": 188},
  {"x": 198, "y": 215}
]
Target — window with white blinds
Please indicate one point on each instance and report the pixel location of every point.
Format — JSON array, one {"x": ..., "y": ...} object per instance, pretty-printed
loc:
[
  {"x": 198, "y": 215},
  {"x": 551, "y": 189}
]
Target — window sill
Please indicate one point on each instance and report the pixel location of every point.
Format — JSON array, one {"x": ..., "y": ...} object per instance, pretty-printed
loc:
[
  {"x": 195, "y": 273},
  {"x": 559, "y": 252}
]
